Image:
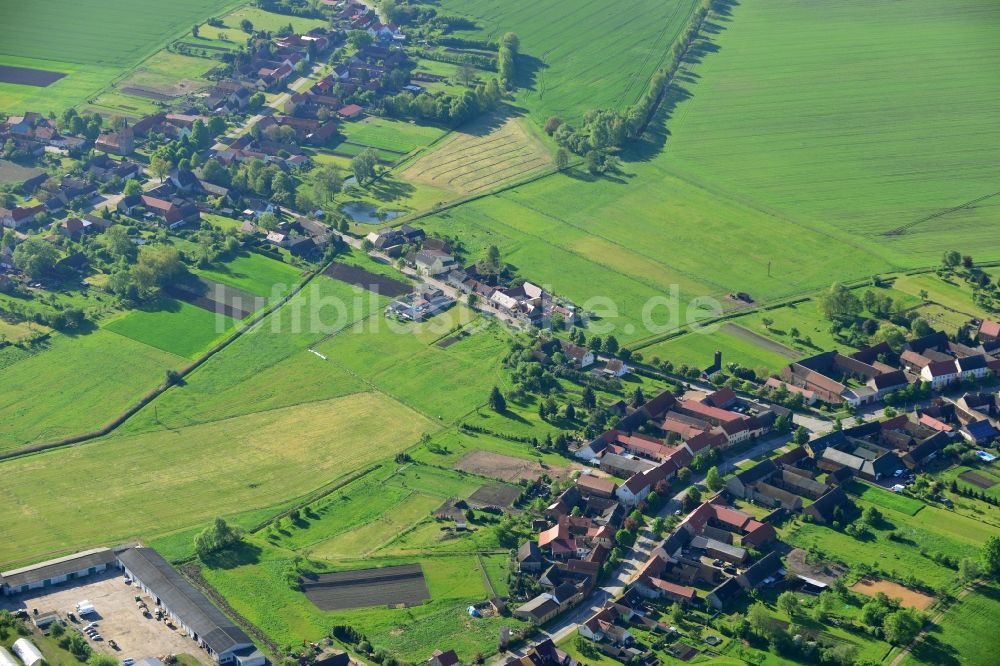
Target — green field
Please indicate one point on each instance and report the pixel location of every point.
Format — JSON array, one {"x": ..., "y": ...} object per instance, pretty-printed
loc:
[
  {"x": 150, "y": 484},
  {"x": 269, "y": 366},
  {"x": 380, "y": 519},
  {"x": 963, "y": 634},
  {"x": 76, "y": 385},
  {"x": 72, "y": 37},
  {"x": 256, "y": 274},
  {"x": 885, "y": 499},
  {"x": 696, "y": 350},
  {"x": 179, "y": 328},
  {"x": 863, "y": 143},
  {"x": 441, "y": 383},
  {"x": 258, "y": 591},
  {"x": 393, "y": 135},
  {"x": 261, "y": 20},
  {"x": 597, "y": 55},
  {"x": 791, "y": 200}
]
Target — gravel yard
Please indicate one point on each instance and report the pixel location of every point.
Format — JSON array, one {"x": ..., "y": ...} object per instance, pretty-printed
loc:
[{"x": 118, "y": 618}]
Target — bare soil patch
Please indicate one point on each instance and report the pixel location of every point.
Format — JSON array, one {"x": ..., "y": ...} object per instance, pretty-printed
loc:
[
  {"x": 379, "y": 284},
  {"x": 760, "y": 340},
  {"x": 392, "y": 586},
  {"x": 147, "y": 93},
  {"x": 506, "y": 468},
  {"x": 26, "y": 76},
  {"x": 977, "y": 480},
  {"x": 487, "y": 153},
  {"x": 907, "y": 597},
  {"x": 494, "y": 495}
]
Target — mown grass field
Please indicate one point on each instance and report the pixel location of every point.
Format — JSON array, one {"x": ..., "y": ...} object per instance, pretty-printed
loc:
[
  {"x": 696, "y": 350},
  {"x": 179, "y": 328},
  {"x": 403, "y": 362},
  {"x": 76, "y": 385},
  {"x": 484, "y": 155},
  {"x": 258, "y": 591},
  {"x": 381, "y": 519},
  {"x": 885, "y": 499},
  {"x": 262, "y": 20},
  {"x": 150, "y": 484},
  {"x": 597, "y": 55},
  {"x": 73, "y": 37},
  {"x": 394, "y": 135},
  {"x": 256, "y": 274}
]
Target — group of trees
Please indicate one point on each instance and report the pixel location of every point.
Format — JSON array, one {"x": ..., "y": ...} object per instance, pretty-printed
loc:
[
  {"x": 217, "y": 537},
  {"x": 870, "y": 319},
  {"x": 268, "y": 181},
  {"x": 364, "y": 164},
  {"x": 507, "y": 59},
  {"x": 445, "y": 108},
  {"x": 155, "y": 267}
]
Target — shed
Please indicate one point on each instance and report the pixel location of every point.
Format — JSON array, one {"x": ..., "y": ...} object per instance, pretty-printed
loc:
[
  {"x": 6, "y": 658},
  {"x": 27, "y": 652}
]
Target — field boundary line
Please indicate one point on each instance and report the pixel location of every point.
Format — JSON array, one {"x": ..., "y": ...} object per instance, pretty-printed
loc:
[
  {"x": 486, "y": 576},
  {"x": 181, "y": 374}
]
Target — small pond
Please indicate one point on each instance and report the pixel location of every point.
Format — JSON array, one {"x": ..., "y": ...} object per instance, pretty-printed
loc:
[{"x": 365, "y": 213}]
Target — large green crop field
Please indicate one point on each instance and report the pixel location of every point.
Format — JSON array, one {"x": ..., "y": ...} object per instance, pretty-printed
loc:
[
  {"x": 821, "y": 113},
  {"x": 594, "y": 54},
  {"x": 94, "y": 42},
  {"x": 150, "y": 484}
]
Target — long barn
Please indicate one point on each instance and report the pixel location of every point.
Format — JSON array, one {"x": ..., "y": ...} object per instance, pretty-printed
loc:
[{"x": 206, "y": 624}]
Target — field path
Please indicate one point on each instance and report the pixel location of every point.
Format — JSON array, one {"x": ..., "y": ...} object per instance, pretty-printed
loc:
[
  {"x": 760, "y": 340},
  {"x": 930, "y": 623}
]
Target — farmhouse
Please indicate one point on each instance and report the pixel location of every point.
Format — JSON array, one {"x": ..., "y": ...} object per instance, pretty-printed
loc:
[
  {"x": 205, "y": 623},
  {"x": 17, "y": 218},
  {"x": 591, "y": 485},
  {"x": 838, "y": 379},
  {"x": 56, "y": 572},
  {"x": 822, "y": 510}
]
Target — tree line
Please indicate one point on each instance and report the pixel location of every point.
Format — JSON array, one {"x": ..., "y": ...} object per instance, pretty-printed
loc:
[{"x": 507, "y": 59}]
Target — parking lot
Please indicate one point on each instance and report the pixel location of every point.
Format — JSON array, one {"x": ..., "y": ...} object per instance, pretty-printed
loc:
[{"x": 117, "y": 617}]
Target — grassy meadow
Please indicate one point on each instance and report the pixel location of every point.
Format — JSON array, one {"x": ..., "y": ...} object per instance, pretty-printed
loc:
[
  {"x": 76, "y": 385},
  {"x": 961, "y": 636},
  {"x": 270, "y": 366},
  {"x": 255, "y": 274},
  {"x": 381, "y": 519},
  {"x": 149, "y": 484},
  {"x": 179, "y": 328}
]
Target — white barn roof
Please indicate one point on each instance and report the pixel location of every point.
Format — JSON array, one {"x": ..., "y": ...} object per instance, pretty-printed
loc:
[{"x": 27, "y": 651}]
